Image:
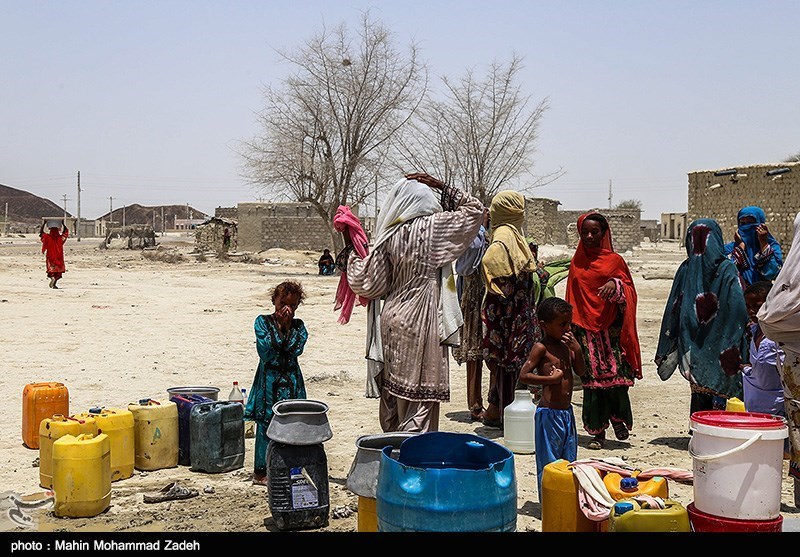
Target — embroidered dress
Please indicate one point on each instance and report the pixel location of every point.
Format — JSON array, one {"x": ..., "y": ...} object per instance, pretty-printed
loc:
[
  {"x": 606, "y": 330},
  {"x": 278, "y": 377}
]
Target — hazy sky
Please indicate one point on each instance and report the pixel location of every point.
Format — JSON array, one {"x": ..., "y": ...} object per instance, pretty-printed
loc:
[{"x": 148, "y": 99}]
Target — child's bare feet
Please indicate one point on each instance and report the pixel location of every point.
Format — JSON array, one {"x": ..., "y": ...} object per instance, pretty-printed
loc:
[{"x": 259, "y": 479}]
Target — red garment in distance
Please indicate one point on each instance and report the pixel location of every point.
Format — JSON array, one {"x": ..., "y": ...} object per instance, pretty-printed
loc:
[{"x": 53, "y": 248}]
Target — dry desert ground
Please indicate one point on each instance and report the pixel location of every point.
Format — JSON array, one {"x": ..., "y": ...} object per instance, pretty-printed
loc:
[{"x": 128, "y": 324}]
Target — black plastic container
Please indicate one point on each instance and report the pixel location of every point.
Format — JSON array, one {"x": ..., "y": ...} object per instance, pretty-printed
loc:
[
  {"x": 185, "y": 404},
  {"x": 298, "y": 486},
  {"x": 216, "y": 436}
]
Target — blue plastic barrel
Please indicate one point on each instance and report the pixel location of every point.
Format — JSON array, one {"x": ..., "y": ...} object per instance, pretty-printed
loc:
[{"x": 447, "y": 482}]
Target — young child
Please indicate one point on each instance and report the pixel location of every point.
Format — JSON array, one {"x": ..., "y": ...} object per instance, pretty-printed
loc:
[
  {"x": 761, "y": 379},
  {"x": 280, "y": 339},
  {"x": 551, "y": 364}
]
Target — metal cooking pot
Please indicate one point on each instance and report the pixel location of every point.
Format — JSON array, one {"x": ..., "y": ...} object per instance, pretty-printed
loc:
[
  {"x": 363, "y": 476},
  {"x": 299, "y": 422},
  {"x": 208, "y": 392}
]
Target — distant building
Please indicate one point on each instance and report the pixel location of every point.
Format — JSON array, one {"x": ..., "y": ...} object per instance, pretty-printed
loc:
[
  {"x": 650, "y": 229},
  {"x": 673, "y": 226},
  {"x": 719, "y": 194}
]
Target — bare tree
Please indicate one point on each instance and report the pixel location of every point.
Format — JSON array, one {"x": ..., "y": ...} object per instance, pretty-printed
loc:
[
  {"x": 793, "y": 158},
  {"x": 482, "y": 135},
  {"x": 326, "y": 130}
]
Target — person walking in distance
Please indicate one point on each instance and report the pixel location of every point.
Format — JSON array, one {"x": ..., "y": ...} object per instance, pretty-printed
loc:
[{"x": 53, "y": 248}]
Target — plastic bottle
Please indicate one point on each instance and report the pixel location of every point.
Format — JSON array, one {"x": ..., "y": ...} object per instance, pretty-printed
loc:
[
  {"x": 236, "y": 393},
  {"x": 518, "y": 422},
  {"x": 244, "y": 397}
]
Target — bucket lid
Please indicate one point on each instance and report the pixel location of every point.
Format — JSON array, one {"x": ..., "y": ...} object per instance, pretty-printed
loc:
[{"x": 738, "y": 420}]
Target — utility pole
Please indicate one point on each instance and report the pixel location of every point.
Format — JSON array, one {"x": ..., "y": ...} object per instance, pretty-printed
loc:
[
  {"x": 609, "y": 193},
  {"x": 65, "y": 208},
  {"x": 123, "y": 216},
  {"x": 110, "y": 209},
  {"x": 5, "y": 221},
  {"x": 163, "y": 222},
  {"x": 78, "y": 226}
]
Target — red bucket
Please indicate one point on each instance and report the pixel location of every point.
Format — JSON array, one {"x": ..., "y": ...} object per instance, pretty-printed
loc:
[{"x": 704, "y": 522}]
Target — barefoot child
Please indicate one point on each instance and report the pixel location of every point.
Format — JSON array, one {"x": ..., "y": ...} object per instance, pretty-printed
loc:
[
  {"x": 280, "y": 339},
  {"x": 551, "y": 364}
]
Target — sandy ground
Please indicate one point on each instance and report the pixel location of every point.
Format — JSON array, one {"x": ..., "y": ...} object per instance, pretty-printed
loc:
[{"x": 123, "y": 326}]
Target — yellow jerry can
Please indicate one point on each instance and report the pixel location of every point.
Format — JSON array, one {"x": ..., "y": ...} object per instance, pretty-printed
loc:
[
  {"x": 629, "y": 515},
  {"x": 155, "y": 434},
  {"x": 559, "y": 498},
  {"x": 82, "y": 475},
  {"x": 52, "y": 429},
  {"x": 117, "y": 423}
]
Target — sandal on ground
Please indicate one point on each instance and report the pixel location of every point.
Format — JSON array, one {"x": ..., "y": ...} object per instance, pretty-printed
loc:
[
  {"x": 620, "y": 430},
  {"x": 597, "y": 442},
  {"x": 170, "y": 492},
  {"x": 476, "y": 414}
]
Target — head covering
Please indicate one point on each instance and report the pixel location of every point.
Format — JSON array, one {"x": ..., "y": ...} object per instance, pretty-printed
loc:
[
  {"x": 508, "y": 253},
  {"x": 345, "y": 299},
  {"x": 703, "y": 326},
  {"x": 779, "y": 316},
  {"x": 752, "y": 246},
  {"x": 407, "y": 200},
  {"x": 589, "y": 270}
]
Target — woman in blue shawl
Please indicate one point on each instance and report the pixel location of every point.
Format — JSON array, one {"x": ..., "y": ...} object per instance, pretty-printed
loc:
[
  {"x": 703, "y": 327},
  {"x": 755, "y": 251}
]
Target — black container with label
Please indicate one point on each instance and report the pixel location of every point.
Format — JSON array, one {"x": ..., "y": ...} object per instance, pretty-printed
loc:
[{"x": 297, "y": 486}]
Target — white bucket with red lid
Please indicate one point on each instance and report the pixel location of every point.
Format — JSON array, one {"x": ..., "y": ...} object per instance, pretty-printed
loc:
[{"x": 738, "y": 459}]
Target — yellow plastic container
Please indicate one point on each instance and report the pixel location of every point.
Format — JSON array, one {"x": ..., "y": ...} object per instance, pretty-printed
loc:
[
  {"x": 367, "y": 514},
  {"x": 53, "y": 429},
  {"x": 733, "y": 404},
  {"x": 117, "y": 423},
  {"x": 155, "y": 432},
  {"x": 631, "y": 516},
  {"x": 559, "y": 499},
  {"x": 82, "y": 475},
  {"x": 620, "y": 487}
]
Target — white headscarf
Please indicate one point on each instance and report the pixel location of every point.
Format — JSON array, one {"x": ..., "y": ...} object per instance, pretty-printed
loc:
[
  {"x": 408, "y": 200},
  {"x": 779, "y": 316}
]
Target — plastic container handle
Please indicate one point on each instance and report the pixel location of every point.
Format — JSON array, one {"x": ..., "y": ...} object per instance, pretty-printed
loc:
[{"x": 723, "y": 454}]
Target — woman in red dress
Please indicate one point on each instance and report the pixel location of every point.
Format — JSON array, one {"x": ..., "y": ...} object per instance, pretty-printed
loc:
[{"x": 53, "y": 248}]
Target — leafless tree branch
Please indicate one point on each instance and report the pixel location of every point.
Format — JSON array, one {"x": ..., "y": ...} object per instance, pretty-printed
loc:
[{"x": 327, "y": 129}]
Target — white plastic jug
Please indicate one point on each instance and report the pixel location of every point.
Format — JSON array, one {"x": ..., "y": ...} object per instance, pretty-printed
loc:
[{"x": 518, "y": 423}]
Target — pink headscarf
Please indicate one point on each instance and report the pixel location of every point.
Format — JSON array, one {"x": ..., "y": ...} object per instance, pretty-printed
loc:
[{"x": 345, "y": 297}]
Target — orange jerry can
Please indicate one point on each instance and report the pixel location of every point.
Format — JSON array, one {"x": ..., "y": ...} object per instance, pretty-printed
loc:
[
  {"x": 622, "y": 487},
  {"x": 40, "y": 401}
]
